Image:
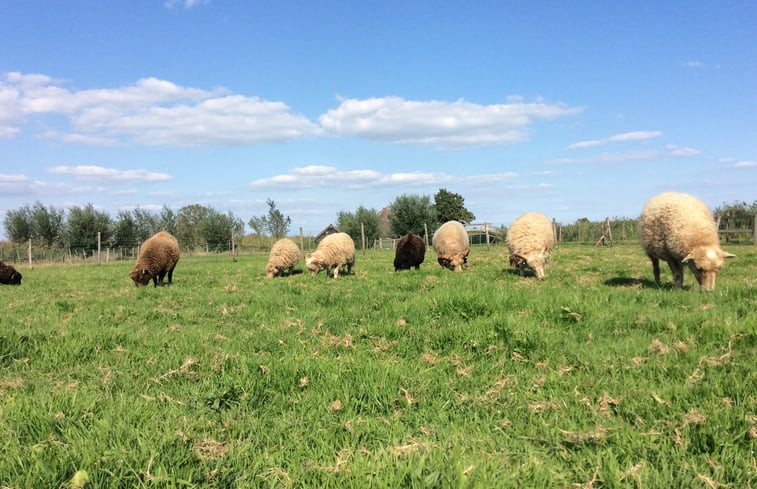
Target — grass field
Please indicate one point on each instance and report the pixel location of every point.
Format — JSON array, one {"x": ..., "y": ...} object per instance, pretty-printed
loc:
[{"x": 592, "y": 378}]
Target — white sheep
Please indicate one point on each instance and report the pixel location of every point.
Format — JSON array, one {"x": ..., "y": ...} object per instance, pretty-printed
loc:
[
  {"x": 680, "y": 229},
  {"x": 530, "y": 240},
  {"x": 285, "y": 254},
  {"x": 450, "y": 242},
  {"x": 333, "y": 252}
]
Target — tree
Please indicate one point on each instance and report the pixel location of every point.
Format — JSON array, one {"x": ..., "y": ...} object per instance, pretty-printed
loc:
[
  {"x": 124, "y": 230},
  {"x": 18, "y": 224},
  {"x": 410, "y": 213},
  {"x": 275, "y": 222},
  {"x": 82, "y": 226},
  {"x": 349, "y": 223},
  {"x": 146, "y": 223},
  {"x": 217, "y": 229},
  {"x": 167, "y": 220},
  {"x": 450, "y": 206},
  {"x": 189, "y": 224}
]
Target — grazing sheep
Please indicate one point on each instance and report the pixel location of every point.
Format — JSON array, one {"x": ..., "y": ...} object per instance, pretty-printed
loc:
[
  {"x": 680, "y": 229},
  {"x": 9, "y": 275},
  {"x": 450, "y": 242},
  {"x": 410, "y": 252},
  {"x": 285, "y": 254},
  {"x": 333, "y": 252},
  {"x": 530, "y": 240},
  {"x": 158, "y": 256}
]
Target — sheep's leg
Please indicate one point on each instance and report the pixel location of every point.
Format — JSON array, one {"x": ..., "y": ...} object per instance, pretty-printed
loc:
[
  {"x": 677, "y": 269},
  {"x": 170, "y": 276},
  {"x": 336, "y": 271},
  {"x": 656, "y": 270}
]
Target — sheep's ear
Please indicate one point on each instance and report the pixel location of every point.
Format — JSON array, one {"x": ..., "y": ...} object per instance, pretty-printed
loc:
[
  {"x": 687, "y": 258},
  {"x": 728, "y": 255}
]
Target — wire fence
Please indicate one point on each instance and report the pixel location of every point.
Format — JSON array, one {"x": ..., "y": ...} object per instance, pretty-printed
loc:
[{"x": 607, "y": 232}]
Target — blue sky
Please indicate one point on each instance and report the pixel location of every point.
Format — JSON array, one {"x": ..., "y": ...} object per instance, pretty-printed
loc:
[{"x": 574, "y": 109}]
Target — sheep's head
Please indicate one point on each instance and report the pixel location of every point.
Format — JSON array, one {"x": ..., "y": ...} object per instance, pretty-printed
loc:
[
  {"x": 537, "y": 261},
  {"x": 455, "y": 262},
  {"x": 271, "y": 271},
  {"x": 705, "y": 262},
  {"x": 313, "y": 263},
  {"x": 141, "y": 276},
  {"x": 14, "y": 278}
]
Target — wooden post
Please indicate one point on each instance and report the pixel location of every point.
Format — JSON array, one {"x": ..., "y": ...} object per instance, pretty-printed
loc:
[
  {"x": 98, "y": 247},
  {"x": 754, "y": 230},
  {"x": 233, "y": 248},
  {"x": 425, "y": 233},
  {"x": 609, "y": 231},
  {"x": 362, "y": 236},
  {"x": 554, "y": 229},
  {"x": 107, "y": 255},
  {"x": 302, "y": 241},
  {"x": 486, "y": 230},
  {"x": 30, "y": 254}
]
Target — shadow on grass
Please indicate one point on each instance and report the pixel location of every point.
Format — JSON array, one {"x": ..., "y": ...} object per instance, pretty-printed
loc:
[{"x": 637, "y": 283}]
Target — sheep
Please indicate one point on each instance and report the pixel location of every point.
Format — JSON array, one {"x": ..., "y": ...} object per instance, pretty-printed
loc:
[
  {"x": 158, "y": 256},
  {"x": 410, "y": 252},
  {"x": 285, "y": 254},
  {"x": 333, "y": 252},
  {"x": 450, "y": 242},
  {"x": 9, "y": 275},
  {"x": 680, "y": 229},
  {"x": 530, "y": 240}
]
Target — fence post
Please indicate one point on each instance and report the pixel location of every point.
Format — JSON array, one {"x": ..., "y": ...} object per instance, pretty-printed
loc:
[
  {"x": 754, "y": 230},
  {"x": 362, "y": 236},
  {"x": 30, "y": 254},
  {"x": 98, "y": 247},
  {"x": 486, "y": 230},
  {"x": 302, "y": 240},
  {"x": 425, "y": 235}
]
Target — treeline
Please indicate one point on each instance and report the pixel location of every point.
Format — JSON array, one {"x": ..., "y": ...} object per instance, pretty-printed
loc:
[{"x": 78, "y": 229}]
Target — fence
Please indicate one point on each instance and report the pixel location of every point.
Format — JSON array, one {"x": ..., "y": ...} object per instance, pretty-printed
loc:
[{"x": 736, "y": 227}]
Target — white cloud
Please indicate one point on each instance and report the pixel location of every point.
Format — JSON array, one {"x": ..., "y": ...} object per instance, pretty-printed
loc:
[
  {"x": 746, "y": 164},
  {"x": 315, "y": 176},
  {"x": 150, "y": 112},
  {"x": 694, "y": 64},
  {"x": 439, "y": 123},
  {"x": 608, "y": 158},
  {"x": 109, "y": 175},
  {"x": 681, "y": 151},
  {"x": 618, "y": 138},
  {"x": 15, "y": 184},
  {"x": 187, "y": 4}
]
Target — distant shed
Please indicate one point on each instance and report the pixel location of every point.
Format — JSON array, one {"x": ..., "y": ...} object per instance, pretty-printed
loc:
[{"x": 330, "y": 229}]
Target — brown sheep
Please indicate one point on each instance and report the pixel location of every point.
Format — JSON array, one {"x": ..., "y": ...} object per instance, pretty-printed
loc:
[
  {"x": 680, "y": 229},
  {"x": 410, "y": 252},
  {"x": 158, "y": 256},
  {"x": 9, "y": 275}
]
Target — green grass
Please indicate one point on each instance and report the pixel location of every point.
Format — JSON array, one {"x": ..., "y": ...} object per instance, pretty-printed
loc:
[{"x": 593, "y": 377}]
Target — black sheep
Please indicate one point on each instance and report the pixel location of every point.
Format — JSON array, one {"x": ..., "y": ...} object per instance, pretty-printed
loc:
[
  {"x": 9, "y": 275},
  {"x": 410, "y": 252}
]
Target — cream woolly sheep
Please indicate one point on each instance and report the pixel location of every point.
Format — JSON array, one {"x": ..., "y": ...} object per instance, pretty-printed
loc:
[
  {"x": 679, "y": 229},
  {"x": 158, "y": 256},
  {"x": 283, "y": 257},
  {"x": 530, "y": 240},
  {"x": 450, "y": 242},
  {"x": 333, "y": 252}
]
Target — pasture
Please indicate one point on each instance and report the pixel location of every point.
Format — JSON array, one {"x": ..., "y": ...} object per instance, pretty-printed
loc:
[{"x": 591, "y": 378}]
